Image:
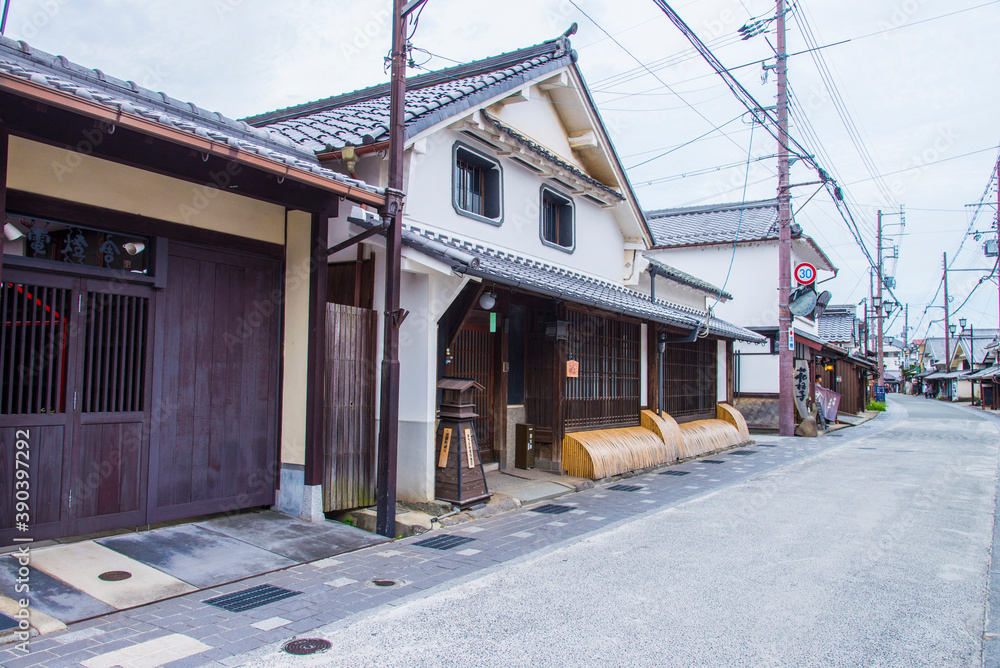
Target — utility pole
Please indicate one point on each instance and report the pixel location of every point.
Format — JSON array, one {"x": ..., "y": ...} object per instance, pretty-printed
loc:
[
  {"x": 388, "y": 436},
  {"x": 947, "y": 334},
  {"x": 998, "y": 246},
  {"x": 786, "y": 408},
  {"x": 879, "y": 308}
]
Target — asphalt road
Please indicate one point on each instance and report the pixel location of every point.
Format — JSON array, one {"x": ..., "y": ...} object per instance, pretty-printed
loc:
[{"x": 873, "y": 553}]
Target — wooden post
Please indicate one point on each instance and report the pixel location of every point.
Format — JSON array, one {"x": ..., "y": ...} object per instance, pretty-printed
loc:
[
  {"x": 558, "y": 393},
  {"x": 316, "y": 374},
  {"x": 4, "y": 140}
]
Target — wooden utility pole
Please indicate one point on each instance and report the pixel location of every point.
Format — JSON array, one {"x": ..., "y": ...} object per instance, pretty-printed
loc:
[
  {"x": 880, "y": 308},
  {"x": 388, "y": 436},
  {"x": 947, "y": 323},
  {"x": 786, "y": 340}
]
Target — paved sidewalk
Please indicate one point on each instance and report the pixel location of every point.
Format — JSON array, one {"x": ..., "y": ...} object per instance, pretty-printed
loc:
[{"x": 337, "y": 589}]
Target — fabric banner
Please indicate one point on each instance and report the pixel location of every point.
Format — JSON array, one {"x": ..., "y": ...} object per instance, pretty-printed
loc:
[
  {"x": 800, "y": 387},
  {"x": 828, "y": 401}
]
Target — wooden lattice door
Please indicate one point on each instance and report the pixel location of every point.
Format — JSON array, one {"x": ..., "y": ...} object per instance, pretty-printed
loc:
[{"x": 473, "y": 358}]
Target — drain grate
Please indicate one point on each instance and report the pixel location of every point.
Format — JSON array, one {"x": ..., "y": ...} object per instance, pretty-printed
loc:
[
  {"x": 675, "y": 473},
  {"x": 552, "y": 509},
  {"x": 7, "y": 623},
  {"x": 766, "y": 445},
  {"x": 248, "y": 599},
  {"x": 743, "y": 453},
  {"x": 625, "y": 488},
  {"x": 444, "y": 542},
  {"x": 713, "y": 461},
  {"x": 306, "y": 646},
  {"x": 866, "y": 448}
]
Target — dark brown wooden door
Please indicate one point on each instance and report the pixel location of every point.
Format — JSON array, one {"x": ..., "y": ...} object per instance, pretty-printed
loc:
[
  {"x": 36, "y": 424},
  {"x": 74, "y": 397},
  {"x": 111, "y": 400},
  {"x": 349, "y": 421},
  {"x": 214, "y": 442},
  {"x": 473, "y": 358}
]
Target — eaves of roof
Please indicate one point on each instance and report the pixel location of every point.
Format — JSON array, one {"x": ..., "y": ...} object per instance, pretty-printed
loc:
[
  {"x": 658, "y": 268},
  {"x": 541, "y": 151},
  {"x": 28, "y": 72},
  {"x": 506, "y": 268}
]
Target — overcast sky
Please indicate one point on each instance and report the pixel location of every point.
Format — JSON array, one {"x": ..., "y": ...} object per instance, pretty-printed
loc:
[{"x": 917, "y": 88}]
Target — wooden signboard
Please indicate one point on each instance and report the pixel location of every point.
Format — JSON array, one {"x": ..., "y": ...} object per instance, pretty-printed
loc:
[
  {"x": 469, "y": 445},
  {"x": 572, "y": 369},
  {"x": 445, "y": 446}
]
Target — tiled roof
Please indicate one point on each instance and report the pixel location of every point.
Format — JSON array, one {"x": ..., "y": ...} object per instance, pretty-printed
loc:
[
  {"x": 983, "y": 338},
  {"x": 21, "y": 60},
  {"x": 362, "y": 117},
  {"x": 934, "y": 348},
  {"x": 838, "y": 324},
  {"x": 684, "y": 278},
  {"x": 540, "y": 150},
  {"x": 714, "y": 223},
  {"x": 516, "y": 271}
]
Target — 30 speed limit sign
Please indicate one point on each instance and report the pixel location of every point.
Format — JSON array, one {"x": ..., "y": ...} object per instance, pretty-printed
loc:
[{"x": 805, "y": 273}]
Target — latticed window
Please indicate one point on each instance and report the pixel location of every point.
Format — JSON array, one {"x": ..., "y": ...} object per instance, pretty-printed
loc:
[
  {"x": 557, "y": 219},
  {"x": 691, "y": 379},
  {"x": 606, "y": 392},
  {"x": 477, "y": 186}
]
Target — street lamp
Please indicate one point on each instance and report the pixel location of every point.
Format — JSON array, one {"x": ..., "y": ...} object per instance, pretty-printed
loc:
[{"x": 952, "y": 328}]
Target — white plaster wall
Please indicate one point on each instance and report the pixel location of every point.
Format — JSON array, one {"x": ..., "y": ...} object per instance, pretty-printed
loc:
[
  {"x": 753, "y": 282},
  {"x": 673, "y": 292},
  {"x": 759, "y": 373},
  {"x": 535, "y": 118},
  {"x": 599, "y": 248}
]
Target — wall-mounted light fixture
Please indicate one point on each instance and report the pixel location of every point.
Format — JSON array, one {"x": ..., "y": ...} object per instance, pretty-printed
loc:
[
  {"x": 488, "y": 300},
  {"x": 13, "y": 231},
  {"x": 661, "y": 342},
  {"x": 134, "y": 247}
]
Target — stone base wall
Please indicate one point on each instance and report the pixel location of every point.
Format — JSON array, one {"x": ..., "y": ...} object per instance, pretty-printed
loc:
[{"x": 759, "y": 412}]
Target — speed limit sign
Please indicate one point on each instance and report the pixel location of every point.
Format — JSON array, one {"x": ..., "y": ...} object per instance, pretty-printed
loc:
[{"x": 805, "y": 273}]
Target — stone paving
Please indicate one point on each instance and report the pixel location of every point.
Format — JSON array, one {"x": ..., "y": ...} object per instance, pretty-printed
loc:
[{"x": 338, "y": 588}]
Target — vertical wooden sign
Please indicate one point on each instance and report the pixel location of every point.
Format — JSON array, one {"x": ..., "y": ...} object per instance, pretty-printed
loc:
[
  {"x": 572, "y": 369},
  {"x": 445, "y": 447},
  {"x": 469, "y": 445}
]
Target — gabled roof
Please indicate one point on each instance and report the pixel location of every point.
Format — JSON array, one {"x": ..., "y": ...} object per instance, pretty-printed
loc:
[
  {"x": 362, "y": 117},
  {"x": 934, "y": 348},
  {"x": 659, "y": 268},
  {"x": 18, "y": 59},
  {"x": 714, "y": 223},
  {"x": 978, "y": 344},
  {"x": 519, "y": 272}
]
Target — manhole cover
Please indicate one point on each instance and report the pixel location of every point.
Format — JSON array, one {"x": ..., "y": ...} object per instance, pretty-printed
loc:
[
  {"x": 304, "y": 646},
  {"x": 114, "y": 576},
  {"x": 385, "y": 583}
]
